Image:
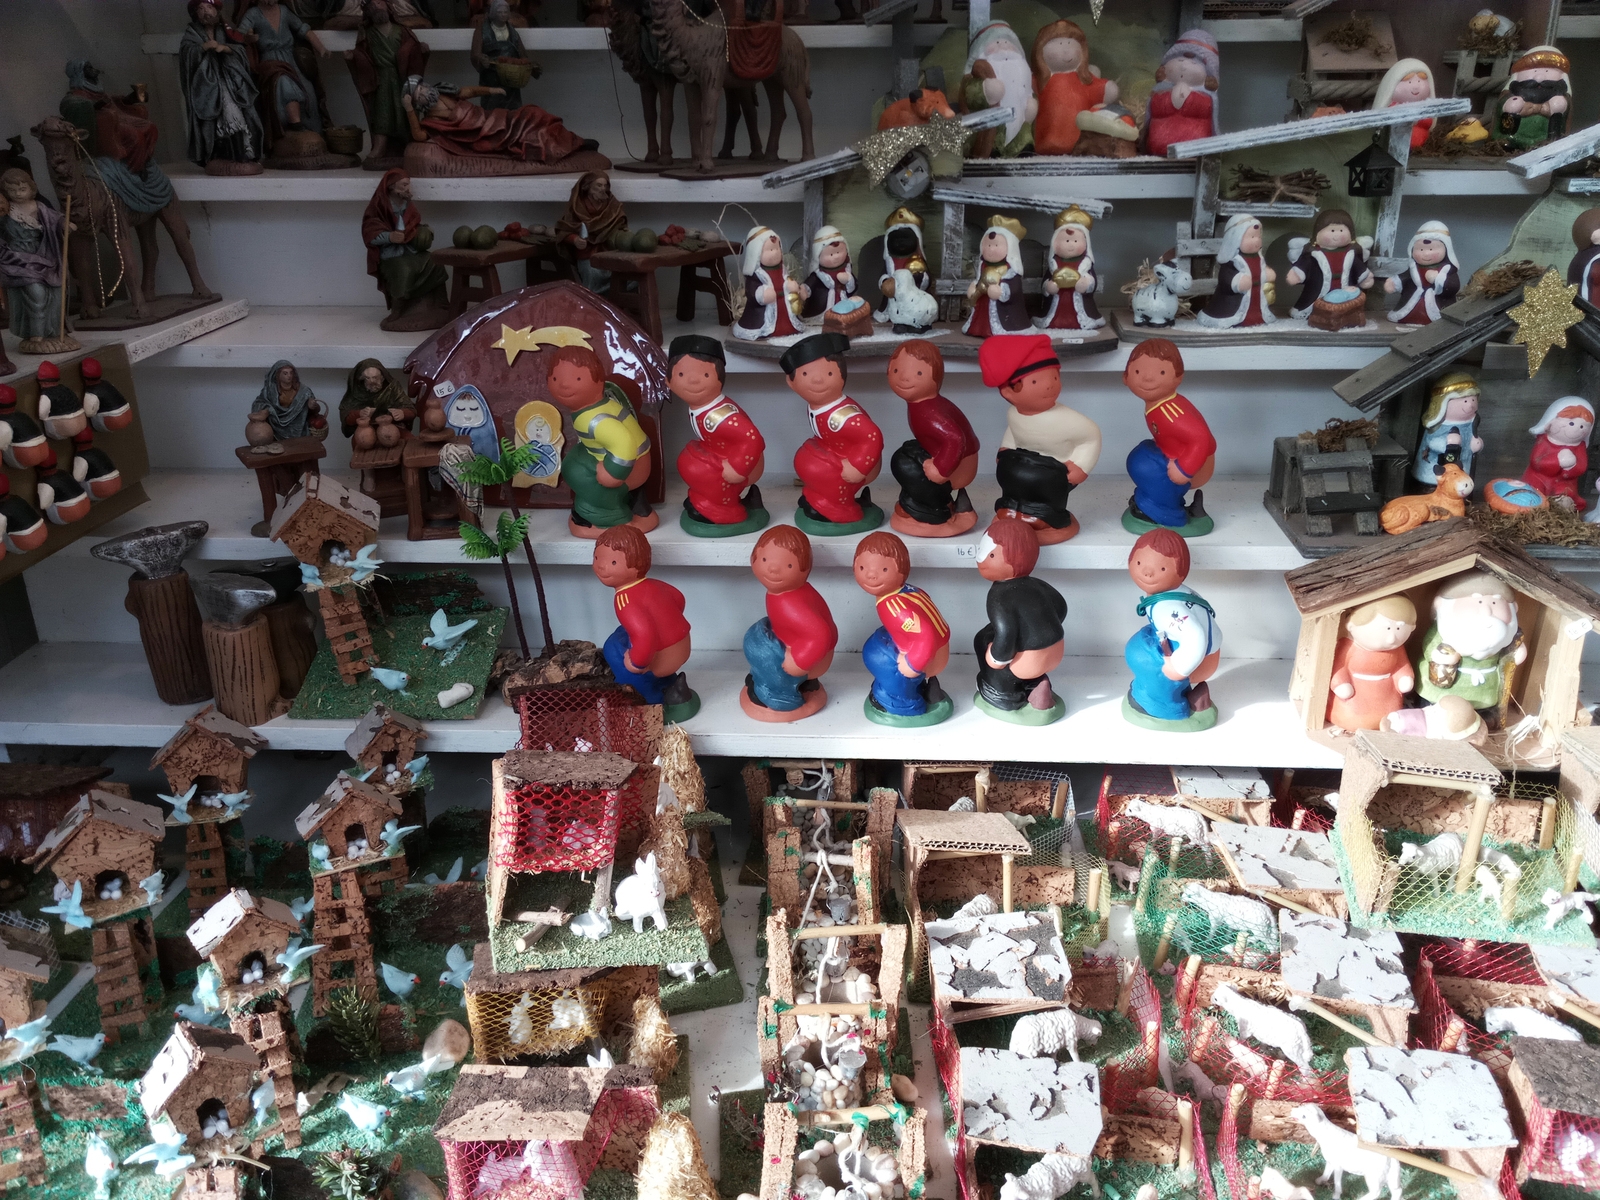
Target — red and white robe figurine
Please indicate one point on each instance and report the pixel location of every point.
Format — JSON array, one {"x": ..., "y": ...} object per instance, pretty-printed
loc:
[
  {"x": 1333, "y": 260},
  {"x": 1070, "y": 278},
  {"x": 1242, "y": 275},
  {"x": 1584, "y": 269},
  {"x": 1431, "y": 279},
  {"x": 832, "y": 277},
  {"x": 902, "y": 251},
  {"x": 1560, "y": 454},
  {"x": 996, "y": 294},
  {"x": 768, "y": 309},
  {"x": 61, "y": 497}
]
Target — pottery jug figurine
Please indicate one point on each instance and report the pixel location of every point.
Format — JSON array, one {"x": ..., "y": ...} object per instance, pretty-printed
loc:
[
  {"x": 257, "y": 432},
  {"x": 387, "y": 432},
  {"x": 365, "y": 436}
]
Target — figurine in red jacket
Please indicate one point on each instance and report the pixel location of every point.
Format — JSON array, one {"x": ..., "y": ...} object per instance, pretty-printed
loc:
[
  {"x": 911, "y": 644},
  {"x": 1180, "y": 452},
  {"x": 791, "y": 648},
  {"x": 845, "y": 450},
  {"x": 650, "y": 646},
  {"x": 940, "y": 460},
  {"x": 726, "y": 455},
  {"x": 1560, "y": 453}
]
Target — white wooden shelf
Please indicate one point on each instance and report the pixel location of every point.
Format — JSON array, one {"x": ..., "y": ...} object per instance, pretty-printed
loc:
[
  {"x": 1579, "y": 27},
  {"x": 142, "y": 342},
  {"x": 1246, "y": 537},
  {"x": 100, "y": 694}
]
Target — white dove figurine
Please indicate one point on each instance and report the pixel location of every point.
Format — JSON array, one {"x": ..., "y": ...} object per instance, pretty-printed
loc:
[
  {"x": 452, "y": 876},
  {"x": 458, "y": 968},
  {"x": 445, "y": 636},
  {"x": 310, "y": 577},
  {"x": 365, "y": 563},
  {"x": 197, "y": 1014},
  {"x": 363, "y": 1114},
  {"x": 152, "y": 887},
  {"x": 603, "y": 1059},
  {"x": 300, "y": 906},
  {"x": 394, "y": 680},
  {"x": 180, "y": 804},
  {"x": 235, "y": 803},
  {"x": 100, "y": 1165},
  {"x": 164, "y": 1152},
  {"x": 392, "y": 834},
  {"x": 70, "y": 910},
  {"x": 28, "y": 1038},
  {"x": 412, "y": 1082},
  {"x": 81, "y": 1050},
  {"x": 296, "y": 954},
  {"x": 321, "y": 853},
  {"x": 207, "y": 982},
  {"x": 262, "y": 1099}
]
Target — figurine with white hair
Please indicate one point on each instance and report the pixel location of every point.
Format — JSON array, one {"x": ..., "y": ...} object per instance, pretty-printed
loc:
[{"x": 1475, "y": 642}]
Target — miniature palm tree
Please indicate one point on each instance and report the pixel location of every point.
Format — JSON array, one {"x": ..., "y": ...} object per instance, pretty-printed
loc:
[
  {"x": 475, "y": 543},
  {"x": 485, "y": 472}
]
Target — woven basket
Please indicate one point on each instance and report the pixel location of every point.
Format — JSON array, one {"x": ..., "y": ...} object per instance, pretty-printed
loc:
[
  {"x": 513, "y": 74},
  {"x": 343, "y": 139},
  {"x": 1341, "y": 315}
]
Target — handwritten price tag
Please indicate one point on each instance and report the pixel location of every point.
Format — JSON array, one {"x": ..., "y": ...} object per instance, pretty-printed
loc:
[{"x": 967, "y": 550}]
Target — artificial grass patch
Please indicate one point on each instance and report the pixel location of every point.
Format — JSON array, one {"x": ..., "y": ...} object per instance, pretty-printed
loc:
[
  {"x": 560, "y": 948},
  {"x": 739, "y": 1126},
  {"x": 716, "y": 991}
]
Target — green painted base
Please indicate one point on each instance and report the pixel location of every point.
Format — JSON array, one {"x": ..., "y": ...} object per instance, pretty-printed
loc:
[
  {"x": 757, "y": 518},
  {"x": 871, "y": 518},
  {"x": 1195, "y": 527},
  {"x": 936, "y": 713},
  {"x": 1026, "y": 715},
  {"x": 672, "y": 714},
  {"x": 1203, "y": 719}
]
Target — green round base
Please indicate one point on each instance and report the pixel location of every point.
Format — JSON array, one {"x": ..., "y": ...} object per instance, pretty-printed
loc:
[
  {"x": 1195, "y": 527},
  {"x": 755, "y": 519},
  {"x": 1204, "y": 719},
  {"x": 1026, "y": 715},
  {"x": 871, "y": 518},
  {"x": 935, "y": 714},
  {"x": 672, "y": 714}
]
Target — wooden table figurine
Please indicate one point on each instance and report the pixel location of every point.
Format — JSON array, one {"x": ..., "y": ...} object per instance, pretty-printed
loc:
[
  {"x": 1371, "y": 671},
  {"x": 771, "y": 302},
  {"x": 1177, "y": 648},
  {"x": 1332, "y": 264},
  {"x": 1023, "y": 641},
  {"x": 1430, "y": 281},
  {"x": 845, "y": 450},
  {"x": 1560, "y": 454},
  {"x": 1048, "y": 448},
  {"x": 608, "y": 467},
  {"x": 726, "y": 456},
  {"x": 376, "y": 415},
  {"x": 650, "y": 645},
  {"x": 1244, "y": 281},
  {"x": 912, "y": 644},
  {"x": 940, "y": 460},
  {"x": 998, "y": 306},
  {"x": 1180, "y": 452},
  {"x": 791, "y": 648},
  {"x": 283, "y": 438}
]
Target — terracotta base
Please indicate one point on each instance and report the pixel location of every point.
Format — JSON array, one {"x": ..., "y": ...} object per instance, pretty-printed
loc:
[
  {"x": 814, "y": 702},
  {"x": 592, "y": 532},
  {"x": 1204, "y": 719},
  {"x": 302, "y": 150},
  {"x": 958, "y": 523},
  {"x": 55, "y": 345},
  {"x": 1048, "y": 535},
  {"x": 226, "y": 166}
]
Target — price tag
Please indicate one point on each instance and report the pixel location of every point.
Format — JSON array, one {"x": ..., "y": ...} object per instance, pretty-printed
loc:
[
  {"x": 967, "y": 550},
  {"x": 444, "y": 389}
]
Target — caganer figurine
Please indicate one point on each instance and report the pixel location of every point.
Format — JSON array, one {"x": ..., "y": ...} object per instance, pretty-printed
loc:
[
  {"x": 845, "y": 450},
  {"x": 648, "y": 649},
  {"x": 1180, "y": 452},
  {"x": 608, "y": 467},
  {"x": 940, "y": 459},
  {"x": 1023, "y": 641},
  {"x": 1177, "y": 648},
  {"x": 791, "y": 648},
  {"x": 725, "y": 457},
  {"x": 912, "y": 645}
]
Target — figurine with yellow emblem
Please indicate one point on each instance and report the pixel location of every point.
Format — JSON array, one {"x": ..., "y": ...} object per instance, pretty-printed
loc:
[
  {"x": 608, "y": 467},
  {"x": 996, "y": 294},
  {"x": 1070, "y": 278}
]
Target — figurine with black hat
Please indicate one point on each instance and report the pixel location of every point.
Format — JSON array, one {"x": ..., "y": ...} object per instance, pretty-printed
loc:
[
  {"x": 845, "y": 450},
  {"x": 725, "y": 458}
]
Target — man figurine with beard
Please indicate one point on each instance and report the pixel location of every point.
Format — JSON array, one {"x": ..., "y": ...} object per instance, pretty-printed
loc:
[
  {"x": 1474, "y": 644},
  {"x": 398, "y": 257},
  {"x": 385, "y": 55},
  {"x": 998, "y": 75},
  {"x": 1533, "y": 108}
]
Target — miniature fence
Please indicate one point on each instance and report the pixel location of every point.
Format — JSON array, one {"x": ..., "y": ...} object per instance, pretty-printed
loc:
[
  {"x": 35, "y": 933},
  {"x": 1440, "y": 1027},
  {"x": 947, "y": 1059},
  {"x": 1228, "y": 1060},
  {"x": 1577, "y": 843},
  {"x": 1228, "y": 1150},
  {"x": 556, "y": 827},
  {"x": 1160, "y": 913},
  {"x": 1124, "y": 1077},
  {"x": 600, "y": 717},
  {"x": 507, "y": 1025}
]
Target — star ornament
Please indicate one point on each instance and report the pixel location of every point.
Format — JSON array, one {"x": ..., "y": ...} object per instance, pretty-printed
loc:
[
  {"x": 515, "y": 341},
  {"x": 1544, "y": 316},
  {"x": 883, "y": 149}
]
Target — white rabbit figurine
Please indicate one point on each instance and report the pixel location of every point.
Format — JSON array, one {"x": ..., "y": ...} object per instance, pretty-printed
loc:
[{"x": 641, "y": 895}]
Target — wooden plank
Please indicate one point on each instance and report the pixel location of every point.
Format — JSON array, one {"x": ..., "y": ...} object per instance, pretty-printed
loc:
[
  {"x": 1551, "y": 156},
  {"x": 969, "y": 195},
  {"x": 1316, "y": 127},
  {"x": 887, "y": 10},
  {"x": 1274, "y": 208},
  {"x": 1384, "y": 234}
]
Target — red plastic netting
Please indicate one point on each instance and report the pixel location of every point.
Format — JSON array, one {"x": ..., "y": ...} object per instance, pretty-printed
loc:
[
  {"x": 1227, "y": 1060},
  {"x": 555, "y": 827},
  {"x": 605, "y": 718},
  {"x": 1469, "y": 958},
  {"x": 1124, "y": 1077},
  {"x": 1508, "y": 1181},
  {"x": 1561, "y": 1147},
  {"x": 1439, "y": 1027},
  {"x": 947, "y": 1058},
  {"x": 1124, "y": 780},
  {"x": 1228, "y": 1152}
]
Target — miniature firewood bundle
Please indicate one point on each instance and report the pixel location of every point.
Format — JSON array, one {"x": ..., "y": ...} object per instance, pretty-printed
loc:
[{"x": 1255, "y": 186}]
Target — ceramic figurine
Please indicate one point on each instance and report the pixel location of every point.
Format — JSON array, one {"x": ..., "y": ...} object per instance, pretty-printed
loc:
[
  {"x": 1407, "y": 82},
  {"x": 912, "y": 643},
  {"x": 107, "y": 407},
  {"x": 845, "y": 450},
  {"x": 398, "y": 257},
  {"x": 1183, "y": 105},
  {"x": 93, "y": 467},
  {"x": 117, "y": 128},
  {"x": 1432, "y": 279},
  {"x": 1560, "y": 454},
  {"x": 287, "y": 96},
  {"x": 608, "y": 467},
  {"x": 1180, "y": 452},
  {"x": 940, "y": 460},
  {"x": 292, "y": 410},
  {"x": 31, "y": 266},
  {"x": 1449, "y": 428},
  {"x": 832, "y": 279},
  {"x": 902, "y": 251},
  {"x": 1070, "y": 277},
  {"x": 61, "y": 497},
  {"x": 219, "y": 95},
  {"x": 650, "y": 645},
  {"x": 1048, "y": 448},
  {"x": 21, "y": 525},
  {"x": 998, "y": 306},
  {"x": 386, "y": 54},
  {"x": 60, "y": 408},
  {"x": 496, "y": 41},
  {"x": 1534, "y": 106},
  {"x": 1071, "y": 85},
  {"x": 1177, "y": 648},
  {"x": 1244, "y": 281},
  {"x": 725, "y": 458},
  {"x": 1581, "y": 270},
  {"x": 1331, "y": 264},
  {"x": 1371, "y": 671},
  {"x": 520, "y": 10},
  {"x": 1023, "y": 642},
  {"x": 22, "y": 442},
  {"x": 791, "y": 648},
  {"x": 771, "y": 302},
  {"x": 1474, "y": 644},
  {"x": 439, "y": 113},
  {"x": 997, "y": 75},
  {"x": 593, "y": 219},
  {"x": 371, "y": 392},
  {"x": 468, "y": 416}
]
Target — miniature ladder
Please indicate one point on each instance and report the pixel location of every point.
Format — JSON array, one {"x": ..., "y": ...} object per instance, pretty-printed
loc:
[
  {"x": 116, "y": 978},
  {"x": 208, "y": 873},
  {"x": 341, "y": 924},
  {"x": 278, "y": 1047},
  {"x": 348, "y": 635},
  {"x": 386, "y": 870},
  {"x": 212, "y": 1183},
  {"x": 19, "y": 1132}
]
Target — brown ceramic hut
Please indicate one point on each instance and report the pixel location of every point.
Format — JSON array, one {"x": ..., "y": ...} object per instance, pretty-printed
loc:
[
  {"x": 104, "y": 837},
  {"x": 199, "y": 1073},
  {"x": 210, "y": 752},
  {"x": 348, "y": 811},
  {"x": 240, "y": 931},
  {"x": 25, "y": 959},
  {"x": 384, "y": 738},
  {"x": 34, "y": 797},
  {"x": 321, "y": 512}
]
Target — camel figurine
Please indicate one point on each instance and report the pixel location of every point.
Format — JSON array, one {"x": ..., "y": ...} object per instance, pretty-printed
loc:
[
  {"x": 96, "y": 207},
  {"x": 1448, "y": 499}
]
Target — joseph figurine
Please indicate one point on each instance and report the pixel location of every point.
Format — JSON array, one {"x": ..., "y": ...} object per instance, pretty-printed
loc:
[
  {"x": 386, "y": 54},
  {"x": 397, "y": 246},
  {"x": 592, "y": 215}
]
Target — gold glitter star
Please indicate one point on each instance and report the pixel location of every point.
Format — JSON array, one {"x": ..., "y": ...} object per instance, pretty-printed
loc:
[
  {"x": 882, "y": 150},
  {"x": 1544, "y": 316}
]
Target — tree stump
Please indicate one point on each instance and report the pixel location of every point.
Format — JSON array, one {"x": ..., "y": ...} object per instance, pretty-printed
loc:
[
  {"x": 294, "y": 643},
  {"x": 169, "y": 628},
  {"x": 244, "y": 673}
]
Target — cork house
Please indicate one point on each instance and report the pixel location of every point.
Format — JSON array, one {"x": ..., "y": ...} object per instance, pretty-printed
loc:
[
  {"x": 384, "y": 738},
  {"x": 210, "y": 753},
  {"x": 199, "y": 1075},
  {"x": 105, "y": 841},
  {"x": 34, "y": 797},
  {"x": 25, "y": 959},
  {"x": 349, "y": 811},
  {"x": 1555, "y": 1104},
  {"x": 240, "y": 933},
  {"x": 1553, "y": 613},
  {"x": 321, "y": 514}
]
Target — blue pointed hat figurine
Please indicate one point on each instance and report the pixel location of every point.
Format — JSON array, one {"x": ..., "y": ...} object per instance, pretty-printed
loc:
[{"x": 467, "y": 412}]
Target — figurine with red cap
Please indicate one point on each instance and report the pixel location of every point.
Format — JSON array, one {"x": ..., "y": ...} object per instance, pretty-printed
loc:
[
  {"x": 1180, "y": 452},
  {"x": 1177, "y": 648},
  {"x": 22, "y": 442},
  {"x": 1023, "y": 641},
  {"x": 651, "y": 642},
  {"x": 108, "y": 409},
  {"x": 93, "y": 468},
  {"x": 912, "y": 643},
  {"x": 791, "y": 648},
  {"x": 1048, "y": 448},
  {"x": 20, "y": 523},
  {"x": 845, "y": 450},
  {"x": 60, "y": 408},
  {"x": 935, "y": 466},
  {"x": 726, "y": 456}
]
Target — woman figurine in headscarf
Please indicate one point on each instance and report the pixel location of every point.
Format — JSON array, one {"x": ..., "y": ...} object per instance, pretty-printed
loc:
[
  {"x": 832, "y": 278},
  {"x": 1432, "y": 280},
  {"x": 31, "y": 234},
  {"x": 439, "y": 114},
  {"x": 370, "y": 390},
  {"x": 493, "y": 40},
  {"x": 386, "y": 54},
  {"x": 1408, "y": 81},
  {"x": 1242, "y": 276},
  {"x": 219, "y": 95},
  {"x": 291, "y": 409},
  {"x": 1070, "y": 279},
  {"x": 996, "y": 294},
  {"x": 1560, "y": 454},
  {"x": 1183, "y": 105},
  {"x": 767, "y": 294},
  {"x": 288, "y": 98}
]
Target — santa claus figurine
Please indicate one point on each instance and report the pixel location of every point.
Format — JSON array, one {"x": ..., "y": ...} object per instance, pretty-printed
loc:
[
  {"x": 725, "y": 457},
  {"x": 831, "y": 279},
  {"x": 1371, "y": 671},
  {"x": 1560, "y": 453},
  {"x": 791, "y": 648},
  {"x": 996, "y": 294},
  {"x": 1070, "y": 277},
  {"x": 651, "y": 643},
  {"x": 845, "y": 450},
  {"x": 940, "y": 459},
  {"x": 771, "y": 301}
]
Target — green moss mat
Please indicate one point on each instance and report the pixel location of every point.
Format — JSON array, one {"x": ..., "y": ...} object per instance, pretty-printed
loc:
[
  {"x": 741, "y": 1160},
  {"x": 681, "y": 941},
  {"x": 399, "y": 647},
  {"x": 608, "y": 1183},
  {"x": 716, "y": 991}
]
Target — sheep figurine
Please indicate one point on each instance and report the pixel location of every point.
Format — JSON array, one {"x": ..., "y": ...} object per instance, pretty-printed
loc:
[
  {"x": 1433, "y": 858},
  {"x": 1267, "y": 1025},
  {"x": 1201, "y": 1084},
  {"x": 981, "y": 905},
  {"x": 641, "y": 895},
  {"x": 1559, "y": 907},
  {"x": 1053, "y": 1175},
  {"x": 1171, "y": 820},
  {"x": 1489, "y": 889},
  {"x": 1044, "y": 1033},
  {"x": 1124, "y": 876},
  {"x": 1236, "y": 912},
  {"x": 1525, "y": 1021},
  {"x": 1156, "y": 303},
  {"x": 1341, "y": 1155},
  {"x": 1274, "y": 1184}
]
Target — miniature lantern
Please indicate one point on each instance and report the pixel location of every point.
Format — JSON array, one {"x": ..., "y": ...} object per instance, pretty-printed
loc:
[{"x": 1372, "y": 172}]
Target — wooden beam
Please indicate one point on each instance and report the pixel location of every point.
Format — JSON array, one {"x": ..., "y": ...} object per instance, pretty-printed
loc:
[
  {"x": 1316, "y": 127},
  {"x": 1274, "y": 208},
  {"x": 1427, "y": 1164},
  {"x": 971, "y": 195},
  {"x": 1301, "y": 1004},
  {"x": 1387, "y": 228},
  {"x": 822, "y": 931},
  {"x": 847, "y": 159},
  {"x": 1541, "y": 160},
  {"x": 1301, "y": 9},
  {"x": 887, "y": 10}
]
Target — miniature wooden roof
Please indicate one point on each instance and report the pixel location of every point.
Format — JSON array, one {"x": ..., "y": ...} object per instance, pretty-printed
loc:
[
  {"x": 978, "y": 832},
  {"x": 1565, "y": 1076},
  {"x": 25, "y": 781},
  {"x": 485, "y": 978},
  {"x": 209, "y": 721},
  {"x": 492, "y": 1103},
  {"x": 1426, "y": 1099},
  {"x": 372, "y": 724},
  {"x": 1433, "y": 552},
  {"x": 225, "y": 914},
  {"x": 1416, "y": 357},
  {"x": 21, "y": 956},
  {"x": 339, "y": 791},
  {"x": 317, "y": 488},
  {"x": 191, "y": 1048},
  {"x": 98, "y": 805},
  {"x": 594, "y": 769},
  {"x": 1398, "y": 753}
]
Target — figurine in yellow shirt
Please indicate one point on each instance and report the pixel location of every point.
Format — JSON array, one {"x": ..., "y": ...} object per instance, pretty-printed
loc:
[{"x": 608, "y": 467}]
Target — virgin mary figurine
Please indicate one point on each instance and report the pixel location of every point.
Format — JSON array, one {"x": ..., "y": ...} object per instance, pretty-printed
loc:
[
  {"x": 1242, "y": 277},
  {"x": 290, "y": 405}
]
